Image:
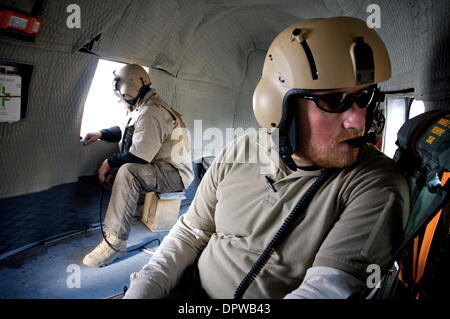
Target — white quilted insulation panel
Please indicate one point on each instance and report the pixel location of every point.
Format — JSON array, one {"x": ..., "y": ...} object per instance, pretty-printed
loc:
[{"x": 205, "y": 57}]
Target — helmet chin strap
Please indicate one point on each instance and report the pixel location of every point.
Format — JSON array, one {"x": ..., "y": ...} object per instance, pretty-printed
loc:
[
  {"x": 288, "y": 140},
  {"x": 286, "y": 152}
]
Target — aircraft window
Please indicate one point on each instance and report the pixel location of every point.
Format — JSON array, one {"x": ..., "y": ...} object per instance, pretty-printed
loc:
[
  {"x": 417, "y": 108},
  {"x": 395, "y": 117},
  {"x": 101, "y": 109}
]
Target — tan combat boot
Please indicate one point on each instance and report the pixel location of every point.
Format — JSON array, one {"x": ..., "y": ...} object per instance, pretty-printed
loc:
[{"x": 103, "y": 254}]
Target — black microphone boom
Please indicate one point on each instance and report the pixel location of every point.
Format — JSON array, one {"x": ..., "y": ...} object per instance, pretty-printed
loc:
[{"x": 360, "y": 141}]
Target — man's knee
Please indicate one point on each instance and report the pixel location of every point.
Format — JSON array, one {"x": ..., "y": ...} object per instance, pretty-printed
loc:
[
  {"x": 136, "y": 175},
  {"x": 127, "y": 173}
]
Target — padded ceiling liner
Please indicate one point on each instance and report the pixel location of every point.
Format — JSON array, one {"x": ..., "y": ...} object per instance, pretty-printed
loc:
[{"x": 205, "y": 59}]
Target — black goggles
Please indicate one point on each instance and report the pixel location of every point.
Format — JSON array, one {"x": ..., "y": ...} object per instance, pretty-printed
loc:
[{"x": 340, "y": 102}]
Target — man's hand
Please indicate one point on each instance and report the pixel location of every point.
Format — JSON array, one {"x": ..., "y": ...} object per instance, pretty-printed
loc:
[
  {"x": 104, "y": 172},
  {"x": 92, "y": 137}
]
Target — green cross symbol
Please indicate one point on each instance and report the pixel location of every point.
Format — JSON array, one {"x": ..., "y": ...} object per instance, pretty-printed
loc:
[{"x": 5, "y": 97}]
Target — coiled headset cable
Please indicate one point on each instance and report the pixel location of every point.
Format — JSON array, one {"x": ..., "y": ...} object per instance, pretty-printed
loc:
[
  {"x": 103, "y": 233},
  {"x": 281, "y": 233}
]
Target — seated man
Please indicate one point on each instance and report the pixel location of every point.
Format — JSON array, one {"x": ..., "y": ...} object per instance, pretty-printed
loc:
[
  {"x": 318, "y": 100},
  {"x": 155, "y": 156}
]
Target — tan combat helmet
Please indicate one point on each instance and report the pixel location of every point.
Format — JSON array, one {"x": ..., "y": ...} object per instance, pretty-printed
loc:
[
  {"x": 315, "y": 55},
  {"x": 318, "y": 54},
  {"x": 130, "y": 81}
]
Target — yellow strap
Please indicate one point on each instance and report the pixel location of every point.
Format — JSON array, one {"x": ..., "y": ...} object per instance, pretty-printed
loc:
[
  {"x": 416, "y": 248},
  {"x": 425, "y": 247}
]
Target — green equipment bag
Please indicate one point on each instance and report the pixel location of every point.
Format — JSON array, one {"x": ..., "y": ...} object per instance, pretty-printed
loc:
[{"x": 420, "y": 266}]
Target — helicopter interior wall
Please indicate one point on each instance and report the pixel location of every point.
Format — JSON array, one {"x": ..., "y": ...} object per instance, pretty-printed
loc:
[
  {"x": 201, "y": 55},
  {"x": 41, "y": 151}
]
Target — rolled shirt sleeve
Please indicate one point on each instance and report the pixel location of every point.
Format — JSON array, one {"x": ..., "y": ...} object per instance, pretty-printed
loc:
[{"x": 326, "y": 283}]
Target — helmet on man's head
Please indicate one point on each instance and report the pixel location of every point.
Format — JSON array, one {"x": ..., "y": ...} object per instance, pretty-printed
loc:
[
  {"x": 130, "y": 82},
  {"x": 316, "y": 55}
]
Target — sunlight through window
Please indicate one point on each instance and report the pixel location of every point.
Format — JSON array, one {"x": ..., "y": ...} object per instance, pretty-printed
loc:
[
  {"x": 417, "y": 108},
  {"x": 394, "y": 120},
  {"x": 102, "y": 108}
]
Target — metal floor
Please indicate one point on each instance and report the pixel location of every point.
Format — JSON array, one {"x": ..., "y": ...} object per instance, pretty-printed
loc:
[{"x": 50, "y": 270}]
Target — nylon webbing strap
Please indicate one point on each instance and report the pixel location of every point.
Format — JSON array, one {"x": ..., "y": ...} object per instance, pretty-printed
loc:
[{"x": 420, "y": 257}]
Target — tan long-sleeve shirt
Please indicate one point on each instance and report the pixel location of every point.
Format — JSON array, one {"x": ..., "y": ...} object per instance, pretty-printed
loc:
[{"x": 355, "y": 219}]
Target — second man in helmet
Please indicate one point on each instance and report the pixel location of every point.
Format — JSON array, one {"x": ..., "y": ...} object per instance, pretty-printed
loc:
[{"x": 146, "y": 161}]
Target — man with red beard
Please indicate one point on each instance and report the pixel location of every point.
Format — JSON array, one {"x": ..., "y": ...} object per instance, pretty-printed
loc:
[
  {"x": 321, "y": 208},
  {"x": 325, "y": 145}
]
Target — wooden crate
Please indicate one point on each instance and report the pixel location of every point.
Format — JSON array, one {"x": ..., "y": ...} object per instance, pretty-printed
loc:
[{"x": 160, "y": 214}]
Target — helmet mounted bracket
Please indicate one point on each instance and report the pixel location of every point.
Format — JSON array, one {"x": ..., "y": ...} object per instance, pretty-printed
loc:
[
  {"x": 298, "y": 36},
  {"x": 362, "y": 58}
]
